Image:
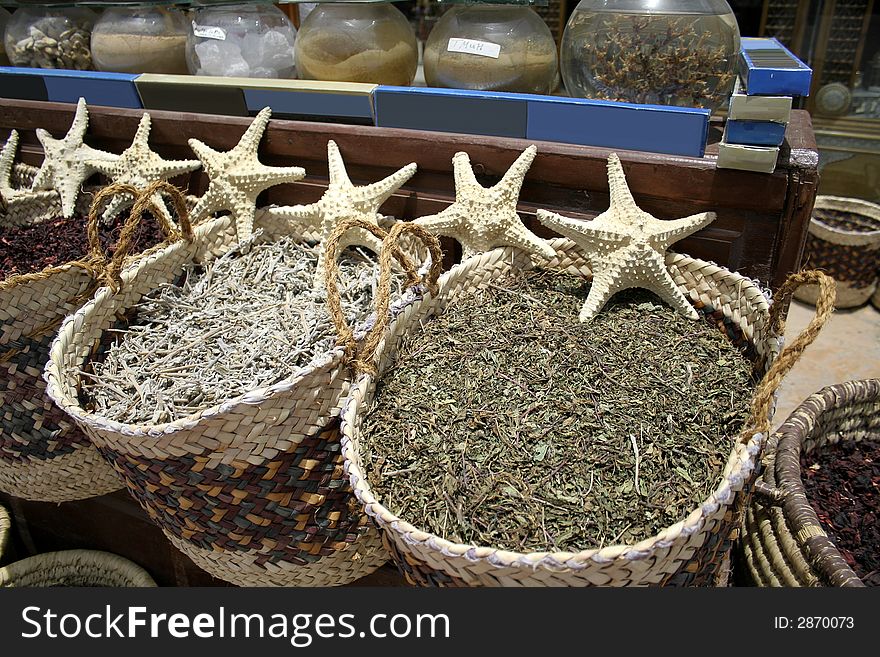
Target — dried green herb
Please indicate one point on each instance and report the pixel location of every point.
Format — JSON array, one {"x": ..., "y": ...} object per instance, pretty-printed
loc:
[{"x": 508, "y": 423}]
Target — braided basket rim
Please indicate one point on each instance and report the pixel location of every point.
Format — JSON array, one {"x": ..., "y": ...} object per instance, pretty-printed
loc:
[
  {"x": 116, "y": 569},
  {"x": 741, "y": 464},
  {"x": 821, "y": 229},
  {"x": 788, "y": 442}
]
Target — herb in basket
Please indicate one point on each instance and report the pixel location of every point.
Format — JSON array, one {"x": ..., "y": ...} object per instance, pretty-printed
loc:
[
  {"x": 247, "y": 319},
  {"x": 507, "y": 422}
]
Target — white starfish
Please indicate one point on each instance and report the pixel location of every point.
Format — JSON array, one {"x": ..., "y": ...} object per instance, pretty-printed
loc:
[
  {"x": 484, "y": 218},
  {"x": 16, "y": 199},
  {"x": 237, "y": 177},
  {"x": 343, "y": 200},
  {"x": 140, "y": 166},
  {"x": 626, "y": 246},
  {"x": 66, "y": 161}
]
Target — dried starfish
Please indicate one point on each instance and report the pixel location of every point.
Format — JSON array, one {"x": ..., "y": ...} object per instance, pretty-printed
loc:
[
  {"x": 483, "y": 218},
  {"x": 343, "y": 200},
  {"x": 68, "y": 162},
  {"x": 237, "y": 177},
  {"x": 139, "y": 166},
  {"x": 626, "y": 246}
]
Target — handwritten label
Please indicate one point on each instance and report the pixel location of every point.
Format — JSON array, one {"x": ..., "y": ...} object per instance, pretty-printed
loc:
[
  {"x": 206, "y": 32},
  {"x": 473, "y": 47}
]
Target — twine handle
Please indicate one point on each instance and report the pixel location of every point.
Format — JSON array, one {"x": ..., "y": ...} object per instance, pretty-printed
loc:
[
  {"x": 143, "y": 202},
  {"x": 759, "y": 414},
  {"x": 390, "y": 248}
]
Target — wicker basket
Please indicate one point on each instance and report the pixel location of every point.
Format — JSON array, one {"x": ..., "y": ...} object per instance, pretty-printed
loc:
[
  {"x": 844, "y": 242},
  {"x": 783, "y": 543},
  {"x": 253, "y": 490},
  {"x": 43, "y": 455},
  {"x": 74, "y": 568},
  {"x": 694, "y": 551},
  {"x": 5, "y": 529}
]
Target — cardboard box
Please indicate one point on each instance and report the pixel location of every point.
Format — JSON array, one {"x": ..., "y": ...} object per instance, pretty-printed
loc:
[
  {"x": 769, "y": 68},
  {"x": 747, "y": 158},
  {"x": 660, "y": 129},
  {"x": 291, "y": 99},
  {"x": 758, "y": 108},
  {"x": 754, "y": 133},
  {"x": 64, "y": 86}
]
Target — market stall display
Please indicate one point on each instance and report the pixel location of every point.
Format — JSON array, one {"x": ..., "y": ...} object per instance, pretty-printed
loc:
[
  {"x": 140, "y": 39},
  {"x": 50, "y": 37}
]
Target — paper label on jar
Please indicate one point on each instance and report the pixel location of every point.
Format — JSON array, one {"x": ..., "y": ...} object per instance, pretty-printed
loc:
[
  {"x": 474, "y": 47},
  {"x": 206, "y": 32}
]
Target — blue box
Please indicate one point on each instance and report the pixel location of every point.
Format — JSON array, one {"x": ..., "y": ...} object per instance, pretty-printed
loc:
[
  {"x": 63, "y": 86},
  {"x": 754, "y": 133},
  {"x": 653, "y": 128},
  {"x": 488, "y": 113},
  {"x": 659, "y": 129},
  {"x": 769, "y": 69}
]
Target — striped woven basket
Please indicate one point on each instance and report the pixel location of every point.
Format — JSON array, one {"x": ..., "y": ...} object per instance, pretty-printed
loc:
[
  {"x": 43, "y": 455},
  {"x": 253, "y": 490},
  {"x": 844, "y": 242},
  {"x": 34, "y": 207},
  {"x": 694, "y": 551},
  {"x": 783, "y": 543},
  {"x": 78, "y": 568}
]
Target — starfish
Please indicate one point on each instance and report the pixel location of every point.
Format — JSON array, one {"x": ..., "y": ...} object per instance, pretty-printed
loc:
[
  {"x": 66, "y": 162},
  {"x": 483, "y": 218},
  {"x": 626, "y": 246},
  {"x": 139, "y": 166},
  {"x": 14, "y": 200},
  {"x": 343, "y": 200},
  {"x": 237, "y": 177}
]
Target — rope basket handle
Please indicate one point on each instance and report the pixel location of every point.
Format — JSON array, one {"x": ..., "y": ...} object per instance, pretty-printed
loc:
[
  {"x": 758, "y": 421},
  {"x": 111, "y": 271},
  {"x": 362, "y": 361}
]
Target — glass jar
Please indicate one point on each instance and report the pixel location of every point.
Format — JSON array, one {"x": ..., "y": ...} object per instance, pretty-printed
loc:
[
  {"x": 244, "y": 40},
  {"x": 491, "y": 47},
  {"x": 50, "y": 37},
  {"x": 4, "y": 18},
  {"x": 146, "y": 39},
  {"x": 666, "y": 52},
  {"x": 357, "y": 42}
]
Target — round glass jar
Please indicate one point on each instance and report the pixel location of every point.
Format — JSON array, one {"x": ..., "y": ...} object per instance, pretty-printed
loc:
[
  {"x": 4, "y": 18},
  {"x": 50, "y": 37},
  {"x": 665, "y": 52},
  {"x": 147, "y": 39},
  {"x": 491, "y": 47},
  {"x": 244, "y": 40},
  {"x": 357, "y": 42}
]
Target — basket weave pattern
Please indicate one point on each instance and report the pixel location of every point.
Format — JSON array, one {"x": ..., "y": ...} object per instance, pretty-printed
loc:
[
  {"x": 844, "y": 241},
  {"x": 75, "y": 568},
  {"x": 691, "y": 552},
  {"x": 253, "y": 490},
  {"x": 783, "y": 542},
  {"x": 43, "y": 455}
]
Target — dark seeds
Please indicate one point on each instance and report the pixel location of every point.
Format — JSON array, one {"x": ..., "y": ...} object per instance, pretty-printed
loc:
[
  {"x": 842, "y": 482},
  {"x": 27, "y": 249},
  {"x": 508, "y": 423}
]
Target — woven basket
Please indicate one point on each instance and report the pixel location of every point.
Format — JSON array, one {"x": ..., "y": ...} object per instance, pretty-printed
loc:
[
  {"x": 694, "y": 551},
  {"x": 74, "y": 568},
  {"x": 844, "y": 242},
  {"x": 43, "y": 455},
  {"x": 34, "y": 207},
  {"x": 783, "y": 543},
  {"x": 5, "y": 529},
  {"x": 253, "y": 490}
]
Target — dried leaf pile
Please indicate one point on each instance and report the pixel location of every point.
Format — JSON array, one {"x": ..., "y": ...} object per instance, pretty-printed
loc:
[
  {"x": 27, "y": 249},
  {"x": 508, "y": 423},
  {"x": 247, "y": 319}
]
